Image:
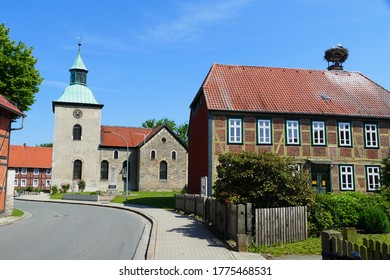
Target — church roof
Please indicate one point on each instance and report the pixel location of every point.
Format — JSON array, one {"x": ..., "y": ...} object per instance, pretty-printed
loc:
[
  {"x": 30, "y": 157},
  {"x": 77, "y": 93},
  {"x": 79, "y": 63},
  {"x": 133, "y": 136}
]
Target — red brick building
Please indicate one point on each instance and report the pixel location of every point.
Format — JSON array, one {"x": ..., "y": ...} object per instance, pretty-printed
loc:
[
  {"x": 334, "y": 123},
  {"x": 32, "y": 166},
  {"x": 8, "y": 111}
]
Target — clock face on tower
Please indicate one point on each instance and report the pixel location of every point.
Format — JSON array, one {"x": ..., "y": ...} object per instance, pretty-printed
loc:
[{"x": 77, "y": 113}]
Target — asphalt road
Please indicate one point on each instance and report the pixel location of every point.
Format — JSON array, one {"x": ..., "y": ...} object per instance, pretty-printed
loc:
[{"x": 57, "y": 231}]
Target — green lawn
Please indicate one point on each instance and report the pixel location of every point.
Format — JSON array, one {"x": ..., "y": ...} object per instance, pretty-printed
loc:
[
  {"x": 17, "y": 213},
  {"x": 163, "y": 199},
  {"x": 312, "y": 246}
]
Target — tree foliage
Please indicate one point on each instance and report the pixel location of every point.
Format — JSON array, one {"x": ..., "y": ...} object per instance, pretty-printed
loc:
[
  {"x": 264, "y": 179},
  {"x": 386, "y": 171},
  {"x": 19, "y": 80},
  {"x": 180, "y": 130}
]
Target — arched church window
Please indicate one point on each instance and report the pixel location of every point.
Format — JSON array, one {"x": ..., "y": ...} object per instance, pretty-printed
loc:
[
  {"x": 174, "y": 155},
  {"x": 116, "y": 154},
  {"x": 77, "y": 132},
  {"x": 152, "y": 154},
  {"x": 77, "y": 169},
  {"x": 104, "y": 170},
  {"x": 163, "y": 170}
]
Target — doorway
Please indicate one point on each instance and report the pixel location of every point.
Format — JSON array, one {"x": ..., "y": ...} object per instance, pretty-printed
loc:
[{"x": 320, "y": 178}]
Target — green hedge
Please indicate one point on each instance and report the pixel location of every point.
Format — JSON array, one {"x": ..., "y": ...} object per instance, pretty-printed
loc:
[{"x": 352, "y": 209}]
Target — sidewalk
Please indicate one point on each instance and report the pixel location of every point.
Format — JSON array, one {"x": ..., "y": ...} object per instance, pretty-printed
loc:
[{"x": 172, "y": 236}]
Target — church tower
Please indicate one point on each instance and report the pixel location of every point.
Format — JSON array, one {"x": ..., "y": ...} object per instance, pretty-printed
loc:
[{"x": 77, "y": 121}]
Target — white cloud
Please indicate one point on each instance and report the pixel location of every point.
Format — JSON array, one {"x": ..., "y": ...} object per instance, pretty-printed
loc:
[{"x": 193, "y": 17}]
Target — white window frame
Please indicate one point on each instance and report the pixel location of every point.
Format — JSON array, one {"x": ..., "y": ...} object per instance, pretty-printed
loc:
[
  {"x": 36, "y": 171},
  {"x": 345, "y": 134},
  {"x": 48, "y": 182},
  {"x": 264, "y": 131},
  {"x": 371, "y": 135},
  {"x": 347, "y": 180},
  {"x": 16, "y": 182},
  {"x": 24, "y": 170},
  {"x": 292, "y": 132},
  {"x": 23, "y": 182},
  {"x": 35, "y": 183},
  {"x": 16, "y": 170},
  {"x": 48, "y": 171},
  {"x": 318, "y": 133},
  {"x": 373, "y": 177},
  {"x": 235, "y": 131}
]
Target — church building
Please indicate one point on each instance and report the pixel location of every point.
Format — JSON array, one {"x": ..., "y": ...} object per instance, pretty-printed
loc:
[{"x": 110, "y": 157}]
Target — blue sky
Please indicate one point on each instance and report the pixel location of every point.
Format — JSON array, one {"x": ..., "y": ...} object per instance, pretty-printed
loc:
[{"x": 148, "y": 58}]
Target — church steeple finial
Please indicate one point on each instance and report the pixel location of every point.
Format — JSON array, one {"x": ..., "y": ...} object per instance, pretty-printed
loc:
[{"x": 79, "y": 42}]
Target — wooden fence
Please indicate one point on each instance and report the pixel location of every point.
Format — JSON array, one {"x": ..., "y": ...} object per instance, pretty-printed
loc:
[
  {"x": 335, "y": 246},
  {"x": 240, "y": 222},
  {"x": 280, "y": 225}
]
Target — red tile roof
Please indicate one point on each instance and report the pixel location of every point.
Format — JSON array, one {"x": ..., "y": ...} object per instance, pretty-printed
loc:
[
  {"x": 284, "y": 90},
  {"x": 4, "y": 103},
  {"x": 134, "y": 136},
  {"x": 30, "y": 157}
]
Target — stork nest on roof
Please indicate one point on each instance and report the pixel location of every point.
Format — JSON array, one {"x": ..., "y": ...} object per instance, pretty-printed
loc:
[{"x": 339, "y": 54}]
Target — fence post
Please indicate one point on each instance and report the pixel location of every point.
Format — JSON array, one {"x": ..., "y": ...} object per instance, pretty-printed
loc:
[
  {"x": 327, "y": 244},
  {"x": 350, "y": 234},
  {"x": 242, "y": 239}
]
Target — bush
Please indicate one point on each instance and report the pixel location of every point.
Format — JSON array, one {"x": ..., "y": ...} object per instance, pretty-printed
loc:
[
  {"x": 374, "y": 220},
  {"x": 65, "y": 187},
  {"x": 264, "y": 179},
  {"x": 81, "y": 184},
  {"x": 29, "y": 189},
  {"x": 54, "y": 189},
  {"x": 320, "y": 216}
]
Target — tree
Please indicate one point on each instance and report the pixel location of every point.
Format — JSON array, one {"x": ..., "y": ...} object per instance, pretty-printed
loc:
[
  {"x": 45, "y": 145},
  {"x": 180, "y": 130},
  {"x": 264, "y": 179},
  {"x": 19, "y": 80}
]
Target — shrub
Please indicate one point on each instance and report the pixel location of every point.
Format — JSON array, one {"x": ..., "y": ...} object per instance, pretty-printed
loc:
[
  {"x": 346, "y": 208},
  {"x": 319, "y": 215},
  {"x": 29, "y": 189},
  {"x": 54, "y": 189},
  {"x": 65, "y": 187},
  {"x": 81, "y": 184},
  {"x": 374, "y": 220},
  {"x": 264, "y": 179}
]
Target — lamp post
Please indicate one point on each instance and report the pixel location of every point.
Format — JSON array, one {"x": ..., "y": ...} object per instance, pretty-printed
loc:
[{"x": 127, "y": 161}]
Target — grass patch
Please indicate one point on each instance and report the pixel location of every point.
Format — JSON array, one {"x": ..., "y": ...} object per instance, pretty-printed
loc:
[
  {"x": 312, "y": 246},
  {"x": 17, "y": 213},
  {"x": 61, "y": 195},
  {"x": 163, "y": 199}
]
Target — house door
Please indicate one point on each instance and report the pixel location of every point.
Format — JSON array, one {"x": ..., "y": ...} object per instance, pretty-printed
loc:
[{"x": 320, "y": 178}]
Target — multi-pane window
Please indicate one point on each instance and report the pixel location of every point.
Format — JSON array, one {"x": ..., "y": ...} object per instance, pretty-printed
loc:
[
  {"x": 36, "y": 171},
  {"x": 77, "y": 132},
  {"x": 77, "y": 170},
  {"x": 35, "y": 183},
  {"x": 371, "y": 135},
  {"x": 104, "y": 170},
  {"x": 48, "y": 183},
  {"x": 235, "y": 131},
  {"x": 48, "y": 171},
  {"x": 318, "y": 133},
  {"x": 373, "y": 178},
  {"x": 24, "y": 170},
  {"x": 264, "y": 131},
  {"x": 346, "y": 177},
  {"x": 23, "y": 182},
  {"x": 16, "y": 182},
  {"x": 163, "y": 170},
  {"x": 345, "y": 138},
  {"x": 292, "y": 132}
]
